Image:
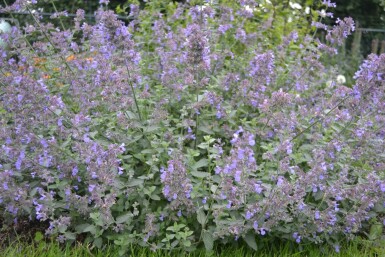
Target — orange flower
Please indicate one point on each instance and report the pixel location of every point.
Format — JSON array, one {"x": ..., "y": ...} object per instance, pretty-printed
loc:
[
  {"x": 38, "y": 61},
  {"x": 70, "y": 58},
  {"x": 46, "y": 76}
]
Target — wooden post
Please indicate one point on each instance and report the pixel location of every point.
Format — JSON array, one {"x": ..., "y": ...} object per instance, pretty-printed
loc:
[
  {"x": 382, "y": 50},
  {"x": 375, "y": 46}
]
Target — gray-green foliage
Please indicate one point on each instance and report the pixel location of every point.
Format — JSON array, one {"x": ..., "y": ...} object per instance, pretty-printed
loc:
[{"x": 194, "y": 126}]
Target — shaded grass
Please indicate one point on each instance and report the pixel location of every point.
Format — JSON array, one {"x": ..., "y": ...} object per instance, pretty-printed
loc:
[{"x": 53, "y": 249}]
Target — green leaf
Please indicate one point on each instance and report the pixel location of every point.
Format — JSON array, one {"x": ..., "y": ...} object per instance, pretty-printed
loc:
[
  {"x": 318, "y": 195},
  {"x": 133, "y": 140},
  {"x": 208, "y": 240},
  {"x": 98, "y": 242},
  {"x": 123, "y": 218},
  {"x": 201, "y": 217},
  {"x": 205, "y": 129},
  {"x": 135, "y": 182},
  {"x": 150, "y": 129},
  {"x": 80, "y": 228},
  {"x": 201, "y": 163},
  {"x": 91, "y": 229},
  {"x": 174, "y": 243},
  {"x": 57, "y": 112},
  {"x": 250, "y": 240},
  {"x": 379, "y": 208},
  {"x": 131, "y": 115},
  {"x": 155, "y": 197},
  {"x": 38, "y": 236},
  {"x": 200, "y": 174},
  {"x": 95, "y": 215},
  {"x": 375, "y": 231},
  {"x": 70, "y": 236},
  {"x": 187, "y": 243}
]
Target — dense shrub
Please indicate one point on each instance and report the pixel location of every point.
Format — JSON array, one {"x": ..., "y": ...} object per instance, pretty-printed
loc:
[{"x": 191, "y": 125}]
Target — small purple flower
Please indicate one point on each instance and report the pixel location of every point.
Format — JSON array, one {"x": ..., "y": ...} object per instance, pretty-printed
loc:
[
  {"x": 251, "y": 140},
  {"x": 91, "y": 188},
  {"x": 223, "y": 28},
  {"x": 329, "y": 4},
  {"x": 20, "y": 98},
  {"x": 257, "y": 188},
  {"x": 170, "y": 167},
  {"x": 248, "y": 215},
  {"x": 219, "y": 114},
  {"x": 317, "y": 215},
  {"x": 289, "y": 148},
  {"x": 166, "y": 190},
  {"x": 337, "y": 248},
  {"x": 255, "y": 225},
  {"x": 240, "y": 35},
  {"x": 237, "y": 176},
  {"x": 18, "y": 164},
  {"x": 382, "y": 187},
  {"x": 74, "y": 171},
  {"x": 241, "y": 154},
  {"x": 43, "y": 142},
  {"x": 280, "y": 181}
]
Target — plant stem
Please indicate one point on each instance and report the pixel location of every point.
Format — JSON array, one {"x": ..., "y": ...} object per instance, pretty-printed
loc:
[
  {"x": 54, "y": 7},
  {"x": 196, "y": 123},
  {"x": 133, "y": 91}
]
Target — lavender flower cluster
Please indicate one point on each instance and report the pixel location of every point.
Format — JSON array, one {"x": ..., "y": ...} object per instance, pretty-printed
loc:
[{"x": 191, "y": 124}]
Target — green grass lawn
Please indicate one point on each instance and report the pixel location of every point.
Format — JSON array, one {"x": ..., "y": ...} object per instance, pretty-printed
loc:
[{"x": 53, "y": 249}]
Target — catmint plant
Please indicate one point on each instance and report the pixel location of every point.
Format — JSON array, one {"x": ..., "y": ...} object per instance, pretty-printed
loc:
[{"x": 193, "y": 124}]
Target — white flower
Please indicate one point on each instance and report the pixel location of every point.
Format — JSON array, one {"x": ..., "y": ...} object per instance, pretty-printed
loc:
[
  {"x": 330, "y": 83},
  {"x": 307, "y": 10},
  {"x": 322, "y": 13},
  {"x": 207, "y": 4},
  {"x": 249, "y": 9},
  {"x": 295, "y": 5},
  {"x": 341, "y": 79}
]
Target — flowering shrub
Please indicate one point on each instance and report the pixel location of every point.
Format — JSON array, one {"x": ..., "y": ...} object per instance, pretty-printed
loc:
[{"x": 190, "y": 125}]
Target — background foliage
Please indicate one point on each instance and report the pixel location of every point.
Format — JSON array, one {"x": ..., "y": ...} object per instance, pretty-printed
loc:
[{"x": 191, "y": 124}]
